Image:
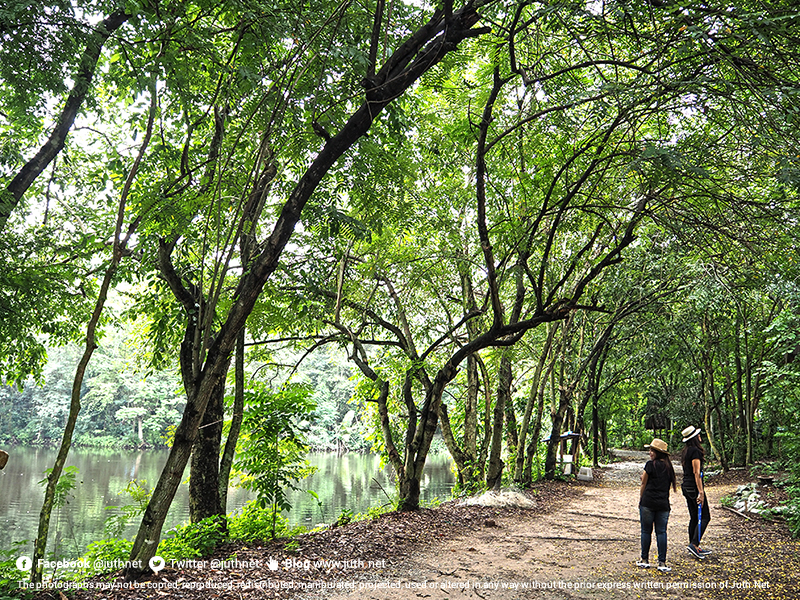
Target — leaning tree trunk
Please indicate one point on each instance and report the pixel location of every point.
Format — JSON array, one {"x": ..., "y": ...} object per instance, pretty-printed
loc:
[{"x": 117, "y": 253}]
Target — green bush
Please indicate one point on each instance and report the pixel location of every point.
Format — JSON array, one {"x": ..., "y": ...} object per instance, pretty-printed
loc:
[
  {"x": 106, "y": 552},
  {"x": 255, "y": 524},
  {"x": 793, "y": 512},
  {"x": 194, "y": 540}
]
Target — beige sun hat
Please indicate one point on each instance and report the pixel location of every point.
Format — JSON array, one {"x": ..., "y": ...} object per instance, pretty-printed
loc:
[
  {"x": 689, "y": 433},
  {"x": 659, "y": 445}
]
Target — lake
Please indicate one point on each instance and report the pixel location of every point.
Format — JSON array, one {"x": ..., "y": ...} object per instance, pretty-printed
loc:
[{"x": 353, "y": 482}]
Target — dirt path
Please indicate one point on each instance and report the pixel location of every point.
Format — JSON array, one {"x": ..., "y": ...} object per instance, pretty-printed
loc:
[
  {"x": 587, "y": 548},
  {"x": 580, "y": 541}
]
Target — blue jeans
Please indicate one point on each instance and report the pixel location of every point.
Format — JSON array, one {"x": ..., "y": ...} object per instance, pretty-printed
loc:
[
  {"x": 659, "y": 519},
  {"x": 694, "y": 534}
]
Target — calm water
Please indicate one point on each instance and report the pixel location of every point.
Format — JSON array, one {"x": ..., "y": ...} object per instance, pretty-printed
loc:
[{"x": 351, "y": 481}]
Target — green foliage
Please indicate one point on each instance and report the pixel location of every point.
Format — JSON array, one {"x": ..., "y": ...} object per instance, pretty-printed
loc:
[
  {"x": 344, "y": 517},
  {"x": 117, "y": 399},
  {"x": 793, "y": 509},
  {"x": 255, "y": 523},
  {"x": 105, "y": 551},
  {"x": 10, "y": 576},
  {"x": 33, "y": 285},
  {"x": 139, "y": 493},
  {"x": 66, "y": 483},
  {"x": 193, "y": 540},
  {"x": 272, "y": 445}
]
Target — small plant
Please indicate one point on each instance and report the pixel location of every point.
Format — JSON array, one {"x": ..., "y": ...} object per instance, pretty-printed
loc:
[
  {"x": 344, "y": 517},
  {"x": 100, "y": 556},
  {"x": 435, "y": 502},
  {"x": 256, "y": 524},
  {"x": 272, "y": 446},
  {"x": 767, "y": 468},
  {"x": 728, "y": 501},
  {"x": 195, "y": 539},
  {"x": 117, "y": 522},
  {"x": 374, "y": 512}
]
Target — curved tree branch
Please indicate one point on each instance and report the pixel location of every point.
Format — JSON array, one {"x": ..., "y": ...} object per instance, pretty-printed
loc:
[{"x": 55, "y": 143}]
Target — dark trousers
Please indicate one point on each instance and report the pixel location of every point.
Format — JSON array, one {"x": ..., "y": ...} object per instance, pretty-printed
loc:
[
  {"x": 694, "y": 534},
  {"x": 649, "y": 519}
]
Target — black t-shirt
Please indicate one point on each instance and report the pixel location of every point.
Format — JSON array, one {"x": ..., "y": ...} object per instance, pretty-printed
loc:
[
  {"x": 689, "y": 485},
  {"x": 656, "y": 491}
]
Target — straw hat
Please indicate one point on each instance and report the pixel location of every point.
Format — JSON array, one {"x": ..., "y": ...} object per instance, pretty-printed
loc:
[
  {"x": 659, "y": 445},
  {"x": 689, "y": 433}
]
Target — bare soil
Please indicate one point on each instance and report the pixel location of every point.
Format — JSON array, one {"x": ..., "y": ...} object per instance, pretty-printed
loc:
[{"x": 579, "y": 541}]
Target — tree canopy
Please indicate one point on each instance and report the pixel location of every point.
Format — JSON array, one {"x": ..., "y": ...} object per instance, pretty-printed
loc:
[{"x": 514, "y": 218}]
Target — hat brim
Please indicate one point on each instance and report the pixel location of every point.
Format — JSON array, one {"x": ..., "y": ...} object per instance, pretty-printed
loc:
[
  {"x": 664, "y": 450},
  {"x": 695, "y": 434}
]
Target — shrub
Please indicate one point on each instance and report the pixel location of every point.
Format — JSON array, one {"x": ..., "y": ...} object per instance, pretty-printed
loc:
[
  {"x": 194, "y": 540},
  {"x": 793, "y": 512},
  {"x": 255, "y": 524},
  {"x": 105, "y": 552}
]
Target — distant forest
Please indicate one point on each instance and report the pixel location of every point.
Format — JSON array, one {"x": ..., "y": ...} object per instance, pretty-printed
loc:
[{"x": 127, "y": 405}]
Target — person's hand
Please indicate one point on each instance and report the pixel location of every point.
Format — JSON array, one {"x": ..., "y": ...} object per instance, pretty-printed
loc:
[{"x": 701, "y": 497}]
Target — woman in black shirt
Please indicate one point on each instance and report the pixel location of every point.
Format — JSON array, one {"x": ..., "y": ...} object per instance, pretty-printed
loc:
[
  {"x": 692, "y": 487},
  {"x": 654, "y": 502}
]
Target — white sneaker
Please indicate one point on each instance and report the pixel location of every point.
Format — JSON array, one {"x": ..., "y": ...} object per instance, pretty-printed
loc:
[
  {"x": 642, "y": 563},
  {"x": 662, "y": 566}
]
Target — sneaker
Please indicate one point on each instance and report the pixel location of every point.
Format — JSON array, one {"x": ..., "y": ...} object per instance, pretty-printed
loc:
[
  {"x": 705, "y": 551},
  {"x": 662, "y": 566},
  {"x": 642, "y": 563},
  {"x": 695, "y": 552}
]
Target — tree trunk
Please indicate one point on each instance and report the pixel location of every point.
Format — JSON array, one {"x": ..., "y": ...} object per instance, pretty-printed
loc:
[
  {"x": 522, "y": 450},
  {"x": 595, "y": 433},
  {"x": 494, "y": 474},
  {"x": 204, "y": 481},
  {"x": 236, "y": 425},
  {"x": 471, "y": 409},
  {"x": 118, "y": 250},
  {"x": 462, "y": 461},
  {"x": 533, "y": 447},
  {"x": 554, "y": 445},
  {"x": 148, "y": 536}
]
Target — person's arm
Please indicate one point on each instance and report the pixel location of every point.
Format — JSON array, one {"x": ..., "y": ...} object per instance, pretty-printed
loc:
[
  {"x": 644, "y": 485},
  {"x": 698, "y": 479}
]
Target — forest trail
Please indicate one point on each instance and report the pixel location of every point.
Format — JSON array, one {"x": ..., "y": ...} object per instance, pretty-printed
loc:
[{"x": 586, "y": 547}]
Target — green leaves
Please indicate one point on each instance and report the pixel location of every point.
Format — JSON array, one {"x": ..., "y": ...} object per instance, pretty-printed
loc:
[
  {"x": 272, "y": 445},
  {"x": 66, "y": 483}
]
